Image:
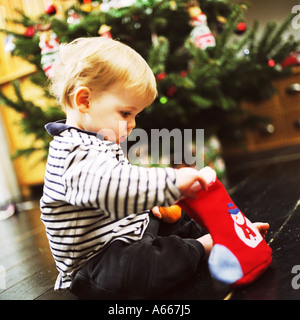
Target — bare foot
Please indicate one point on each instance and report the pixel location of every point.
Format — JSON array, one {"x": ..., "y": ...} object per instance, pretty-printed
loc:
[
  {"x": 262, "y": 227},
  {"x": 207, "y": 241}
]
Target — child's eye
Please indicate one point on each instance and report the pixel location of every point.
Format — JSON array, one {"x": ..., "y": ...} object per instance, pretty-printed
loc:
[{"x": 125, "y": 114}]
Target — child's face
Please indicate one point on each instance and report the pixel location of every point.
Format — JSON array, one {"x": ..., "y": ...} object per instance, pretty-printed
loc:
[{"x": 112, "y": 113}]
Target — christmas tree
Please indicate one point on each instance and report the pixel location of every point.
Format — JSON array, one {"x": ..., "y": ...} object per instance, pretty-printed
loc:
[{"x": 204, "y": 56}]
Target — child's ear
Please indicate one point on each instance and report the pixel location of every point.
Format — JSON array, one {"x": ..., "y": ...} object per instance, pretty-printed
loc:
[{"x": 81, "y": 99}]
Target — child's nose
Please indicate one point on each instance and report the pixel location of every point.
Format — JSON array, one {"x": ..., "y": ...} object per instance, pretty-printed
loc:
[{"x": 131, "y": 124}]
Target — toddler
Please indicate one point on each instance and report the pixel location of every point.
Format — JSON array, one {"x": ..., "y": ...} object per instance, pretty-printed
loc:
[{"x": 96, "y": 206}]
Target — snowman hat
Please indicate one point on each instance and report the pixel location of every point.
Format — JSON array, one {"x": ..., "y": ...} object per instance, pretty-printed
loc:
[{"x": 231, "y": 209}]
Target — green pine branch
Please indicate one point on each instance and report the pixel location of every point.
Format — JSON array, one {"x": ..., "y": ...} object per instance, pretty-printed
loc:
[
  {"x": 24, "y": 20},
  {"x": 33, "y": 118},
  {"x": 158, "y": 54},
  {"x": 226, "y": 35},
  {"x": 213, "y": 83}
]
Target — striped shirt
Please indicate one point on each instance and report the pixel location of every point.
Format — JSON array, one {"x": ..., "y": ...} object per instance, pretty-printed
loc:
[{"x": 93, "y": 196}]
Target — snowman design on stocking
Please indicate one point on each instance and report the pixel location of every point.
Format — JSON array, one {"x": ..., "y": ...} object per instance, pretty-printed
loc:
[
  {"x": 239, "y": 254},
  {"x": 244, "y": 228}
]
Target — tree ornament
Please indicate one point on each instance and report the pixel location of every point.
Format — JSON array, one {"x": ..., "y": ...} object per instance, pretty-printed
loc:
[
  {"x": 163, "y": 100},
  {"x": 241, "y": 28},
  {"x": 292, "y": 60},
  {"x": 201, "y": 35},
  {"x": 104, "y": 31},
  {"x": 221, "y": 21},
  {"x": 173, "y": 5},
  {"x": 9, "y": 43},
  {"x": 161, "y": 76},
  {"x": 246, "y": 52},
  {"x": 51, "y": 10},
  {"x": 171, "y": 91},
  {"x": 73, "y": 18},
  {"x": 29, "y": 32},
  {"x": 49, "y": 45},
  {"x": 183, "y": 73},
  {"x": 116, "y": 4},
  {"x": 86, "y": 6},
  {"x": 271, "y": 63}
]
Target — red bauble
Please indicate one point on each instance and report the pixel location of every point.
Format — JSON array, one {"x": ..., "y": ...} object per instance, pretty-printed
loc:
[
  {"x": 29, "y": 32},
  {"x": 171, "y": 91},
  {"x": 161, "y": 76},
  {"x": 271, "y": 63},
  {"x": 183, "y": 73},
  {"x": 241, "y": 28},
  {"x": 51, "y": 10},
  {"x": 292, "y": 60}
]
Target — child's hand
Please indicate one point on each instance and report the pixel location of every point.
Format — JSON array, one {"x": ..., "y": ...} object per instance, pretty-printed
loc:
[
  {"x": 156, "y": 212},
  {"x": 190, "y": 181}
]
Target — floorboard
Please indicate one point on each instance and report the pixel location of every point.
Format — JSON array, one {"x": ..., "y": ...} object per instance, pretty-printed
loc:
[{"x": 265, "y": 187}]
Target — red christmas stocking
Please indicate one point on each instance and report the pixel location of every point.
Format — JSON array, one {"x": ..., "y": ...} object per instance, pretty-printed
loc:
[{"x": 239, "y": 254}]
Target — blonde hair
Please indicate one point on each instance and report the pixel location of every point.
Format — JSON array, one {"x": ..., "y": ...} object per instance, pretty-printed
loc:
[{"x": 98, "y": 63}]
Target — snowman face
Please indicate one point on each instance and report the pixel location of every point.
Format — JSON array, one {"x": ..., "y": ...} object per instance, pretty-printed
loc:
[
  {"x": 244, "y": 228},
  {"x": 238, "y": 218}
]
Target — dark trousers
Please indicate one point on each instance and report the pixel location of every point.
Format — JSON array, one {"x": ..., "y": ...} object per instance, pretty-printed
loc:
[{"x": 167, "y": 255}]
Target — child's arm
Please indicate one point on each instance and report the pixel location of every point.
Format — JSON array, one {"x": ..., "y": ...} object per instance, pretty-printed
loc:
[{"x": 93, "y": 178}]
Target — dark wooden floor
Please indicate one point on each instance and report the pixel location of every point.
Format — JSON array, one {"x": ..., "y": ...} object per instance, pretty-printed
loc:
[{"x": 265, "y": 187}]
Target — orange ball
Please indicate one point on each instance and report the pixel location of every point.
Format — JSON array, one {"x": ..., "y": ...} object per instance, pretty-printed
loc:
[{"x": 170, "y": 214}]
